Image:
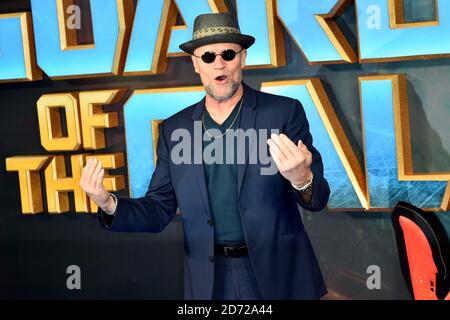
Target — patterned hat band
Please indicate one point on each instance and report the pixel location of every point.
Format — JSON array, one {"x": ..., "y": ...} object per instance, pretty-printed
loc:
[
  {"x": 213, "y": 31},
  {"x": 220, "y": 27}
]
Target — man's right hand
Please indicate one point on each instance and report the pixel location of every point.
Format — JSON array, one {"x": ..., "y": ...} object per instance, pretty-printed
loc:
[{"x": 91, "y": 182}]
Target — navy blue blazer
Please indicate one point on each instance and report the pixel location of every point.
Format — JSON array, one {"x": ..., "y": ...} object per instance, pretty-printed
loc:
[{"x": 280, "y": 251}]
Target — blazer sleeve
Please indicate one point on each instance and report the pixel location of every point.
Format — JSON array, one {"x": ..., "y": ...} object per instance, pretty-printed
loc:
[
  {"x": 152, "y": 212},
  {"x": 297, "y": 128}
]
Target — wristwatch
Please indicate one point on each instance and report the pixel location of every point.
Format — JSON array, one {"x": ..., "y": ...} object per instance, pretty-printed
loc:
[{"x": 307, "y": 187}]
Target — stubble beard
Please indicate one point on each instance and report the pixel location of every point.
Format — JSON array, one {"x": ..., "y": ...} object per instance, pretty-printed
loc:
[{"x": 234, "y": 87}]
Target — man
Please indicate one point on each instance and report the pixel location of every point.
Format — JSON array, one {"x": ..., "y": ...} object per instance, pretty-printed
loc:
[{"x": 244, "y": 237}]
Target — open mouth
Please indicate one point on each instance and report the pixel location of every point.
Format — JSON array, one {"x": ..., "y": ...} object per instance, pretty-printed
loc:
[{"x": 221, "y": 78}]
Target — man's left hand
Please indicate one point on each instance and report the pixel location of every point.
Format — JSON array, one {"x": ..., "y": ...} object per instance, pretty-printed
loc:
[{"x": 293, "y": 161}]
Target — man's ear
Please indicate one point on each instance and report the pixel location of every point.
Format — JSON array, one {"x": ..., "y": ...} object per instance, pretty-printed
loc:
[
  {"x": 194, "y": 63},
  {"x": 244, "y": 56}
]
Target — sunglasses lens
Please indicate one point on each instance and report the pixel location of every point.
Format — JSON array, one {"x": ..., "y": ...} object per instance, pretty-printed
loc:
[
  {"x": 228, "y": 55},
  {"x": 209, "y": 57}
]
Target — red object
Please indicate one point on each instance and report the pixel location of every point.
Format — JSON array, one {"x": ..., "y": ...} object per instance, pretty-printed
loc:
[
  {"x": 420, "y": 260},
  {"x": 424, "y": 252}
]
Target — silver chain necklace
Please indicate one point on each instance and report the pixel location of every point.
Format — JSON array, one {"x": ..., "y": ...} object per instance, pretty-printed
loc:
[{"x": 220, "y": 136}]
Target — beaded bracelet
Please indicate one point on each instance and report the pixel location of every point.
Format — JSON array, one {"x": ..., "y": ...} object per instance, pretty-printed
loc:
[{"x": 115, "y": 204}]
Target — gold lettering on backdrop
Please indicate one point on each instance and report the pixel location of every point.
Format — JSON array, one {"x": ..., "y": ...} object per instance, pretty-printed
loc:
[
  {"x": 57, "y": 183},
  {"x": 70, "y": 21},
  {"x": 28, "y": 168},
  {"x": 397, "y": 16},
  {"x": 167, "y": 22},
  {"x": 276, "y": 38},
  {"x": 335, "y": 34},
  {"x": 93, "y": 119},
  {"x": 328, "y": 24},
  {"x": 69, "y": 38},
  {"x": 337, "y": 134},
  {"x": 50, "y": 126},
  {"x": 403, "y": 138},
  {"x": 445, "y": 205},
  {"x": 32, "y": 70}
]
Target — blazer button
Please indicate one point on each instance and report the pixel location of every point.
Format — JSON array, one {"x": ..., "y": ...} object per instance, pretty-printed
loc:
[
  {"x": 211, "y": 259},
  {"x": 210, "y": 222}
]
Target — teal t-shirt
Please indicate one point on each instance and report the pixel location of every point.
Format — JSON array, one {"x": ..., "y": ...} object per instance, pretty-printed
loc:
[{"x": 221, "y": 180}]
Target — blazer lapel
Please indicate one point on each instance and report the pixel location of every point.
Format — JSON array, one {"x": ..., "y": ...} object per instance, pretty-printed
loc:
[
  {"x": 197, "y": 155},
  {"x": 248, "y": 117}
]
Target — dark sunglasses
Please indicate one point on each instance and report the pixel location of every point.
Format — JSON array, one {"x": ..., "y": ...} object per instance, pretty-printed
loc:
[{"x": 227, "y": 55}]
